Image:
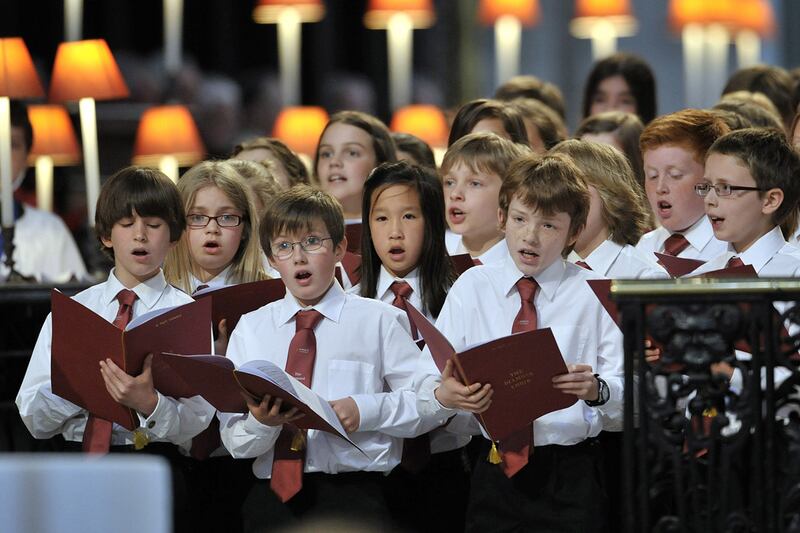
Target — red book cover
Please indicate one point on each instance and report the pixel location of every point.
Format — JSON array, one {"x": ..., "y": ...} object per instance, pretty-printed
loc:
[
  {"x": 678, "y": 266},
  {"x": 82, "y": 338},
  {"x": 462, "y": 263},
  {"x": 519, "y": 367},
  {"x": 744, "y": 271},
  {"x": 353, "y": 234},
  {"x": 233, "y": 301},
  {"x": 602, "y": 289}
]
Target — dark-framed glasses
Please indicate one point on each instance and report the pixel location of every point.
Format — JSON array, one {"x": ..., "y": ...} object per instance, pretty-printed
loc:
[
  {"x": 721, "y": 189},
  {"x": 285, "y": 249},
  {"x": 197, "y": 221}
]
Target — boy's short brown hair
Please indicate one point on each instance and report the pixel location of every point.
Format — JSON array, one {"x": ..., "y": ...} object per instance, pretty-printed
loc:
[
  {"x": 483, "y": 152},
  {"x": 693, "y": 129},
  {"x": 295, "y": 210},
  {"x": 550, "y": 184},
  {"x": 145, "y": 190},
  {"x": 294, "y": 166},
  {"x": 773, "y": 164}
]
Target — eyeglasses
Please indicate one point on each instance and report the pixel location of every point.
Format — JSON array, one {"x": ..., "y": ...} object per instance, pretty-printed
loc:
[
  {"x": 285, "y": 249},
  {"x": 223, "y": 221},
  {"x": 722, "y": 189}
]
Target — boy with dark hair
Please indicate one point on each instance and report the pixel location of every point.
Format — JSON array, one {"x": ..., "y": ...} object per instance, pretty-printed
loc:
[
  {"x": 356, "y": 352},
  {"x": 543, "y": 207},
  {"x": 44, "y": 247}
]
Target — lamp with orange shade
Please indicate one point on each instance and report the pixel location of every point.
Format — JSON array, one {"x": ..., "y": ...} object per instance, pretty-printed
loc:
[
  {"x": 18, "y": 79},
  {"x": 288, "y": 15},
  {"x": 54, "y": 144},
  {"x": 86, "y": 71},
  {"x": 300, "y": 128},
  {"x": 424, "y": 121},
  {"x": 603, "y": 21},
  {"x": 755, "y": 20},
  {"x": 508, "y": 17},
  {"x": 168, "y": 138},
  {"x": 399, "y": 18}
]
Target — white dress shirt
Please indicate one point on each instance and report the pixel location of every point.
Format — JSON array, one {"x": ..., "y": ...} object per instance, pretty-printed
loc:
[
  {"x": 442, "y": 439},
  {"x": 364, "y": 351},
  {"x": 771, "y": 257},
  {"x": 46, "y": 414},
  {"x": 44, "y": 249},
  {"x": 615, "y": 261},
  {"x": 496, "y": 254},
  {"x": 702, "y": 243},
  {"x": 483, "y": 304},
  {"x": 217, "y": 282}
]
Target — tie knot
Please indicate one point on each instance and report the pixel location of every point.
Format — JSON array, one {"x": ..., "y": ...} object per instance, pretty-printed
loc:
[
  {"x": 126, "y": 297},
  {"x": 675, "y": 244},
  {"x": 527, "y": 289},
  {"x": 307, "y": 319},
  {"x": 401, "y": 289}
]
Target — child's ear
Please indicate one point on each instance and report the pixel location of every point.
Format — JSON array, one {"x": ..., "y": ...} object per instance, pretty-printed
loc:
[
  {"x": 106, "y": 242},
  {"x": 572, "y": 239},
  {"x": 771, "y": 201},
  {"x": 340, "y": 249},
  {"x": 501, "y": 219}
]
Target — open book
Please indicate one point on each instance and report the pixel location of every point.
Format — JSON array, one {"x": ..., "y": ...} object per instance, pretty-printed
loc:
[
  {"x": 216, "y": 379},
  {"x": 233, "y": 301},
  {"x": 82, "y": 338},
  {"x": 520, "y": 368},
  {"x": 678, "y": 266}
]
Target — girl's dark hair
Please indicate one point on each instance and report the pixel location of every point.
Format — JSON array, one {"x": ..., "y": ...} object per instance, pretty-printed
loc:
[
  {"x": 471, "y": 113},
  {"x": 435, "y": 269},
  {"x": 626, "y": 128},
  {"x": 416, "y": 147},
  {"x": 636, "y": 73},
  {"x": 382, "y": 142}
]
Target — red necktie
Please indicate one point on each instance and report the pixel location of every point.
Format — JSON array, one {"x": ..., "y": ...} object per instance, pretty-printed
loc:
[
  {"x": 734, "y": 262},
  {"x": 417, "y": 450},
  {"x": 97, "y": 434},
  {"x": 477, "y": 261},
  {"x": 675, "y": 244},
  {"x": 517, "y": 447},
  {"x": 287, "y": 463},
  {"x": 583, "y": 264}
]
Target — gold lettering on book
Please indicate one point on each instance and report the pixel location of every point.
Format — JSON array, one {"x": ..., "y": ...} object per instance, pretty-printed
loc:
[
  {"x": 170, "y": 319},
  {"x": 518, "y": 378}
]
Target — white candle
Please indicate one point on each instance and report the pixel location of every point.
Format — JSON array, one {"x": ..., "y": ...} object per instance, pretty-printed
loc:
[
  {"x": 168, "y": 164},
  {"x": 173, "y": 35},
  {"x": 44, "y": 182},
  {"x": 73, "y": 20},
  {"x": 399, "y": 39},
  {"x": 91, "y": 161},
  {"x": 6, "y": 187},
  {"x": 507, "y": 38},
  {"x": 693, "y": 64},
  {"x": 289, "y": 45}
]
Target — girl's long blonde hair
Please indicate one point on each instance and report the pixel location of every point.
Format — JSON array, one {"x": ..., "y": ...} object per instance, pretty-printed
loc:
[{"x": 247, "y": 264}]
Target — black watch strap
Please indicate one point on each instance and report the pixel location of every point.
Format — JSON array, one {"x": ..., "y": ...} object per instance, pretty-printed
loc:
[{"x": 603, "y": 393}]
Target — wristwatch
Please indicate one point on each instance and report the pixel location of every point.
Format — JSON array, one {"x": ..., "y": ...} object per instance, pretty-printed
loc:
[{"x": 602, "y": 393}]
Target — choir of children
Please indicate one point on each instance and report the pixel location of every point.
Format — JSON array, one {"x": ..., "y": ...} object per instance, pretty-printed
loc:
[{"x": 537, "y": 227}]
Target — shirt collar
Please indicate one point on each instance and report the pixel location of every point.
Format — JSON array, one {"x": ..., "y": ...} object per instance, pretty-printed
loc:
[
  {"x": 549, "y": 279},
  {"x": 699, "y": 234},
  {"x": 492, "y": 255},
  {"x": 330, "y": 306},
  {"x": 385, "y": 281},
  {"x": 218, "y": 281},
  {"x": 148, "y": 291},
  {"x": 602, "y": 257},
  {"x": 761, "y": 251}
]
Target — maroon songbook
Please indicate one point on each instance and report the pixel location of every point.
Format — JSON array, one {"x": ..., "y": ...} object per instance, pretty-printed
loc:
[
  {"x": 82, "y": 338},
  {"x": 233, "y": 301},
  {"x": 520, "y": 368},
  {"x": 678, "y": 266},
  {"x": 353, "y": 234}
]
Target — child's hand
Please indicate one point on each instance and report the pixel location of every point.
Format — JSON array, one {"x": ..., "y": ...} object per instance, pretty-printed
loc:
[
  {"x": 651, "y": 353},
  {"x": 580, "y": 381},
  {"x": 134, "y": 392},
  {"x": 453, "y": 394},
  {"x": 347, "y": 411},
  {"x": 221, "y": 344},
  {"x": 268, "y": 412}
]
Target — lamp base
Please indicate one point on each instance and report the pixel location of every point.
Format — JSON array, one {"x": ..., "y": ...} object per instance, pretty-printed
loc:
[{"x": 8, "y": 250}]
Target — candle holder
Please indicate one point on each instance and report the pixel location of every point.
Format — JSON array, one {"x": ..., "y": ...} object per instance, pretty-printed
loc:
[{"x": 8, "y": 250}]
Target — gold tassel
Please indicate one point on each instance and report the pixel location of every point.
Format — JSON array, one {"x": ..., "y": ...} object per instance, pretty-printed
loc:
[
  {"x": 711, "y": 412},
  {"x": 298, "y": 441},
  {"x": 494, "y": 455},
  {"x": 140, "y": 439}
]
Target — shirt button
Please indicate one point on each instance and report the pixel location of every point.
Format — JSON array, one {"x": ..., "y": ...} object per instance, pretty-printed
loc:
[{"x": 151, "y": 424}]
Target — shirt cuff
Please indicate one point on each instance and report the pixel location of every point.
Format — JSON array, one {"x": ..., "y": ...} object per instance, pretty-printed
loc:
[
  {"x": 254, "y": 427},
  {"x": 157, "y": 423},
  {"x": 368, "y": 411}
]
